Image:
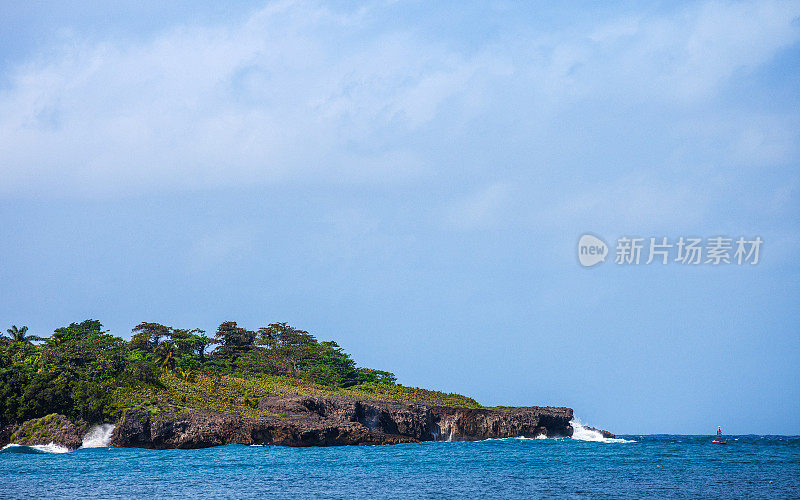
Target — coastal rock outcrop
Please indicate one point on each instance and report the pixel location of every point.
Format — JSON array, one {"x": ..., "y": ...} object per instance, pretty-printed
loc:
[
  {"x": 204, "y": 428},
  {"x": 54, "y": 428},
  {"x": 405, "y": 419},
  {"x": 334, "y": 420},
  {"x": 603, "y": 433},
  {"x": 466, "y": 424}
]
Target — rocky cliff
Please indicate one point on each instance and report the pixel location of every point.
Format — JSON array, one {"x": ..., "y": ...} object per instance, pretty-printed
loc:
[
  {"x": 330, "y": 421},
  {"x": 463, "y": 424}
]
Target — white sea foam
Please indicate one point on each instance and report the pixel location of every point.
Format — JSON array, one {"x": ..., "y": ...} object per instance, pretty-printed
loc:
[
  {"x": 514, "y": 438},
  {"x": 50, "y": 448},
  {"x": 583, "y": 433},
  {"x": 98, "y": 436},
  {"x": 44, "y": 448}
]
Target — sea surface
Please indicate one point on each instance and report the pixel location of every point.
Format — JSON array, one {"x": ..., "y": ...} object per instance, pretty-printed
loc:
[{"x": 662, "y": 466}]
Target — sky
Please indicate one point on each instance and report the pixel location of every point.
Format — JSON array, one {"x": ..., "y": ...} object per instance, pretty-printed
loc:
[{"x": 411, "y": 179}]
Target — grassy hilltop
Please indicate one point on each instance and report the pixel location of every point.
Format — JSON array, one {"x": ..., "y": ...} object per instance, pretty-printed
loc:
[{"x": 87, "y": 374}]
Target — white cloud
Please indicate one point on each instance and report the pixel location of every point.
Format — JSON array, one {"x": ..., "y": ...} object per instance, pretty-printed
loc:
[
  {"x": 298, "y": 91},
  {"x": 273, "y": 98},
  {"x": 684, "y": 56}
]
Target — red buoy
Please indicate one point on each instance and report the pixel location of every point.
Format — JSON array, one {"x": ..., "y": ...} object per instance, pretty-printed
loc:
[{"x": 719, "y": 439}]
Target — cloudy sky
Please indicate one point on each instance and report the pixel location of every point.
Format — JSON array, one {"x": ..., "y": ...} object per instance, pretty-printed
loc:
[{"x": 411, "y": 180}]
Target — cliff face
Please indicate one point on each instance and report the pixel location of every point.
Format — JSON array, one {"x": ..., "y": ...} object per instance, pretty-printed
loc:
[
  {"x": 463, "y": 424},
  {"x": 330, "y": 421},
  {"x": 201, "y": 429}
]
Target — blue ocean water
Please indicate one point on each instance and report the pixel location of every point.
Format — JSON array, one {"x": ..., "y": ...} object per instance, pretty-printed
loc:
[{"x": 654, "y": 466}]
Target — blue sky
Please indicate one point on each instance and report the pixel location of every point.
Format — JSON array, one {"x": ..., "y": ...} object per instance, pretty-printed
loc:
[{"x": 411, "y": 179}]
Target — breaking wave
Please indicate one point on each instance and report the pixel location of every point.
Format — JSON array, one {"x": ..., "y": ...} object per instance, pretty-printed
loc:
[
  {"x": 99, "y": 436},
  {"x": 34, "y": 449},
  {"x": 512, "y": 438},
  {"x": 581, "y": 432}
]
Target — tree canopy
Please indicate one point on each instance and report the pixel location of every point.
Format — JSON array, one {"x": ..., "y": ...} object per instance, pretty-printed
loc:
[{"x": 77, "y": 370}]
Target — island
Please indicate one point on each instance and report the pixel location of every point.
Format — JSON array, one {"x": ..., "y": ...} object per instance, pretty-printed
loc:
[{"x": 278, "y": 385}]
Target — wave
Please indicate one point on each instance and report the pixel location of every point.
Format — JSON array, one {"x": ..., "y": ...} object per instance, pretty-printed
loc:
[
  {"x": 511, "y": 438},
  {"x": 581, "y": 432},
  {"x": 34, "y": 449},
  {"x": 99, "y": 436}
]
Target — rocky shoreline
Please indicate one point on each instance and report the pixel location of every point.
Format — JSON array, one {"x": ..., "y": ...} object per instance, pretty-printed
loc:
[{"x": 307, "y": 421}]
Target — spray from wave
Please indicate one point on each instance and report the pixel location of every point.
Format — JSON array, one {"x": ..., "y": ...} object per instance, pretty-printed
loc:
[
  {"x": 99, "y": 436},
  {"x": 581, "y": 432}
]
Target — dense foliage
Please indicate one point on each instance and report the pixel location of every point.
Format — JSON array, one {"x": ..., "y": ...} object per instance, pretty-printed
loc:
[{"x": 86, "y": 373}]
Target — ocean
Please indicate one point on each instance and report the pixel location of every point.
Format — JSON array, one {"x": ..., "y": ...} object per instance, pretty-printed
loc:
[{"x": 663, "y": 466}]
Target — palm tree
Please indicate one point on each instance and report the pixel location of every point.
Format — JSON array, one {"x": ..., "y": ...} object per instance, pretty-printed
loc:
[
  {"x": 20, "y": 334},
  {"x": 165, "y": 355}
]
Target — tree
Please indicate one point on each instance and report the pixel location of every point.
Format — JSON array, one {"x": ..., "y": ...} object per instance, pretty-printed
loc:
[
  {"x": 75, "y": 331},
  {"x": 147, "y": 336},
  {"x": 20, "y": 335},
  {"x": 75, "y": 373},
  {"x": 84, "y": 347},
  {"x": 290, "y": 347},
  {"x": 330, "y": 365},
  {"x": 202, "y": 342},
  {"x": 233, "y": 339},
  {"x": 182, "y": 339},
  {"x": 191, "y": 341}
]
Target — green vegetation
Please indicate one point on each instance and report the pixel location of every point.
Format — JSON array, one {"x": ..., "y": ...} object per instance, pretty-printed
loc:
[{"x": 87, "y": 374}]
